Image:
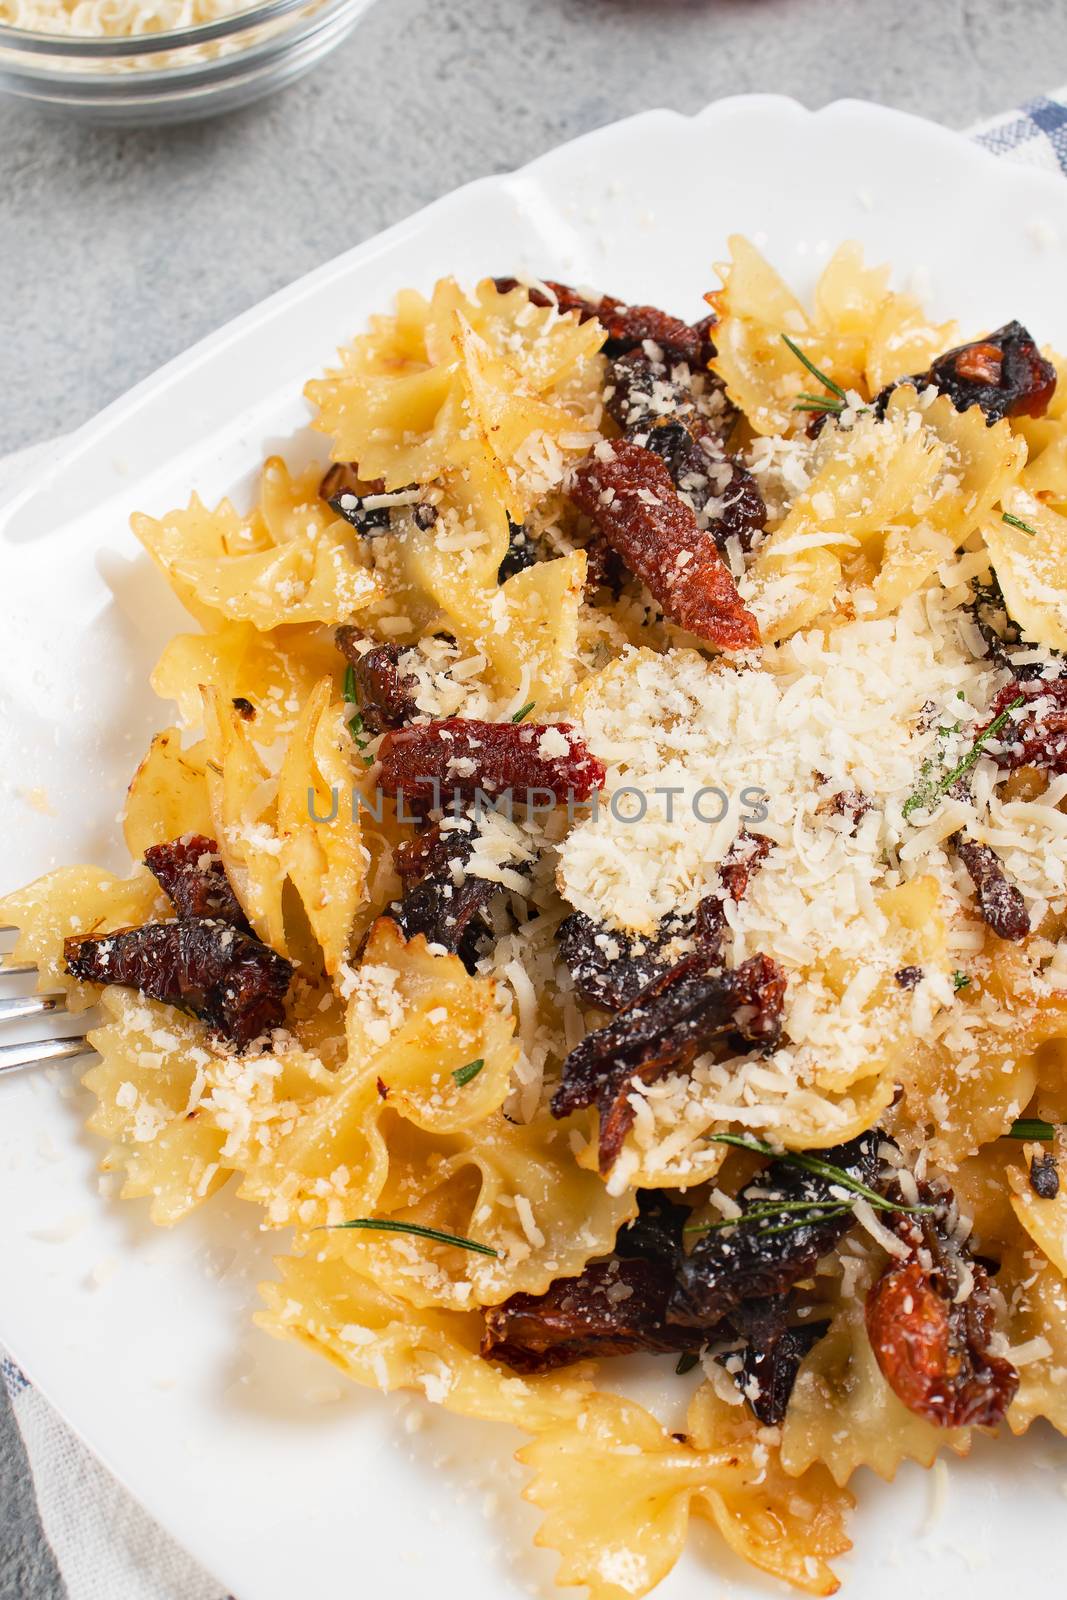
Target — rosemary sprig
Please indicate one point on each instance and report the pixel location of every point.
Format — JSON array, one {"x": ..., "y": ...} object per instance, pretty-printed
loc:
[
  {"x": 1017, "y": 522},
  {"x": 820, "y": 1169},
  {"x": 464, "y": 1075},
  {"x": 978, "y": 746},
  {"x": 816, "y": 402},
  {"x": 524, "y": 711},
  {"x": 768, "y": 1210},
  {"x": 926, "y": 792},
  {"x": 686, "y": 1362},
  {"x": 803, "y": 1222},
  {"x": 355, "y": 721},
  {"x": 828, "y": 383},
  {"x": 387, "y": 1225},
  {"x": 1031, "y": 1128}
]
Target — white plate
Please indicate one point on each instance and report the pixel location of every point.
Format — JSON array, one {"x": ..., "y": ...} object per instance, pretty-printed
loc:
[{"x": 220, "y": 1432}]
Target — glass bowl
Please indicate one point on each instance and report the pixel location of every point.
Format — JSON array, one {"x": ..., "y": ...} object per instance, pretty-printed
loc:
[{"x": 175, "y": 76}]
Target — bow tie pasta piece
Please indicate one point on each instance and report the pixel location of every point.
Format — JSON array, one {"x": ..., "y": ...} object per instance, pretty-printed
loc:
[
  {"x": 755, "y": 308},
  {"x": 168, "y": 795},
  {"x": 617, "y": 1490},
  {"x": 1045, "y": 1221},
  {"x": 979, "y": 463},
  {"x": 291, "y": 561},
  {"x": 396, "y": 403},
  {"x": 842, "y": 1411},
  {"x": 380, "y": 1340},
  {"x": 963, "y": 1094},
  {"x": 324, "y": 855},
  {"x": 903, "y": 340},
  {"x": 1036, "y": 1293},
  {"x": 1031, "y": 566},
  {"x": 413, "y": 1021},
  {"x": 1047, "y": 432},
  {"x": 274, "y": 672},
  {"x": 514, "y": 1188},
  {"x": 76, "y": 900},
  {"x": 890, "y": 501},
  {"x": 526, "y": 628},
  {"x": 180, "y": 1115},
  {"x": 243, "y": 796},
  {"x": 668, "y": 1146},
  {"x": 502, "y": 398}
]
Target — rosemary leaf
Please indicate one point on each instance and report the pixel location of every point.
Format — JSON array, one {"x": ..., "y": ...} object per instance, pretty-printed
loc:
[
  {"x": 524, "y": 711},
  {"x": 1017, "y": 522},
  {"x": 834, "y": 388},
  {"x": 464, "y": 1075},
  {"x": 686, "y": 1362},
  {"x": 387, "y": 1225},
  {"x": 820, "y": 1169},
  {"x": 1032, "y": 1128},
  {"x": 960, "y": 980},
  {"x": 802, "y": 1222},
  {"x": 978, "y": 746},
  {"x": 348, "y": 687}
]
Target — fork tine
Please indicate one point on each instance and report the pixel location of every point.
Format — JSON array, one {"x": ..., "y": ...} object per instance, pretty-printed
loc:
[
  {"x": 17, "y": 969},
  {"x": 33, "y": 1052},
  {"x": 29, "y": 1005}
]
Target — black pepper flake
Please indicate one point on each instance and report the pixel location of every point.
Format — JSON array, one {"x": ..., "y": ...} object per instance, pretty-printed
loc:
[
  {"x": 1044, "y": 1177},
  {"x": 908, "y": 977}
]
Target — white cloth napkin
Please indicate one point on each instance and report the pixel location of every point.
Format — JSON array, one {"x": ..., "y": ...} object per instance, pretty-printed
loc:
[{"x": 106, "y": 1547}]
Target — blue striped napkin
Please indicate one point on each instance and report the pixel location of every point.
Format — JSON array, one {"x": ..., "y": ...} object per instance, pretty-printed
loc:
[{"x": 106, "y": 1547}]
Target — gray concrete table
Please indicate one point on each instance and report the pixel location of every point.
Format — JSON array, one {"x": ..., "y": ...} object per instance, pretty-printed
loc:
[{"x": 117, "y": 250}]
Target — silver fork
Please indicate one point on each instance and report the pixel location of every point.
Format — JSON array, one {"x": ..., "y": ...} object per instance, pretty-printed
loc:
[{"x": 20, "y": 1007}]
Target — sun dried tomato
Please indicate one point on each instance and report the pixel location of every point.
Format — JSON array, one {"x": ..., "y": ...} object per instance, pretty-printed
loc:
[
  {"x": 908, "y": 977},
  {"x": 460, "y": 756},
  {"x": 723, "y": 493},
  {"x": 232, "y": 981},
  {"x": 522, "y": 552},
  {"x": 765, "y": 1254},
  {"x": 1035, "y": 736},
  {"x": 676, "y": 1017},
  {"x": 1004, "y": 373},
  {"x": 642, "y": 392},
  {"x": 1001, "y": 634},
  {"x": 603, "y": 568},
  {"x": 743, "y": 858},
  {"x": 766, "y": 1366},
  {"x": 1002, "y": 906},
  {"x": 631, "y": 501},
  {"x": 613, "y": 1308},
  {"x": 441, "y": 899},
  {"x": 626, "y": 326},
  {"x": 191, "y": 872},
  {"x": 610, "y": 967},
  {"x": 930, "y": 1341},
  {"x": 656, "y": 1232},
  {"x": 657, "y": 409},
  {"x": 345, "y": 491},
  {"x": 243, "y": 707},
  {"x": 850, "y": 803},
  {"x": 384, "y": 695}
]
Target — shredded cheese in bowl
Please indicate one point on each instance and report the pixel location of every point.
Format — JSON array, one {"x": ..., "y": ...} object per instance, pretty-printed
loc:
[
  {"x": 151, "y": 61},
  {"x": 112, "y": 19}
]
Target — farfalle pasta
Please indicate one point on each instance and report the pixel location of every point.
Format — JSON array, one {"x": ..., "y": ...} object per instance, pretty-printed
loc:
[{"x": 603, "y": 892}]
